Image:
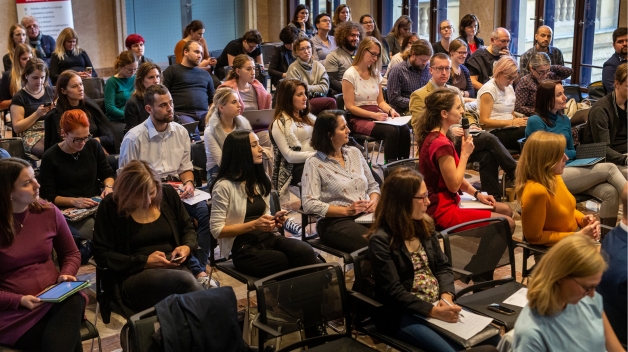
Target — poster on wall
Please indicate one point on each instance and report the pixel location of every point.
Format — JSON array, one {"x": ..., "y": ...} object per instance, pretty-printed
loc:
[{"x": 53, "y": 15}]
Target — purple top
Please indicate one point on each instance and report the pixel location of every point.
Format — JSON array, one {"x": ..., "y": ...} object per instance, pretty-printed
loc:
[{"x": 26, "y": 268}]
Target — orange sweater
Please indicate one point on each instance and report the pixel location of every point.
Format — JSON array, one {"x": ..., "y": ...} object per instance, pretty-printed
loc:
[{"x": 546, "y": 219}]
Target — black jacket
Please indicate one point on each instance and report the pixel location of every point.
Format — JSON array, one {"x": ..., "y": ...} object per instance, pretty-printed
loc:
[
  {"x": 280, "y": 60},
  {"x": 99, "y": 126},
  {"x": 479, "y": 42},
  {"x": 602, "y": 128},
  {"x": 112, "y": 248},
  {"x": 394, "y": 274}
]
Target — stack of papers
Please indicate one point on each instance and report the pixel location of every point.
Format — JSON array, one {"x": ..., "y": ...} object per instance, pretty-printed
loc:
[
  {"x": 466, "y": 327},
  {"x": 468, "y": 202}
]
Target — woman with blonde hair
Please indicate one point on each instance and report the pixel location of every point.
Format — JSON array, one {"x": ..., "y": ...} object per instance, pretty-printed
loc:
[
  {"x": 401, "y": 28},
  {"x": 69, "y": 56},
  {"x": 252, "y": 94},
  {"x": 548, "y": 210},
  {"x": 363, "y": 98},
  {"x": 11, "y": 81},
  {"x": 17, "y": 35},
  {"x": 564, "y": 312},
  {"x": 147, "y": 74},
  {"x": 119, "y": 88}
]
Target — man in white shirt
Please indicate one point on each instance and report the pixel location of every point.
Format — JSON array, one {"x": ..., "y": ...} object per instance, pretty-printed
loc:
[{"x": 166, "y": 146}]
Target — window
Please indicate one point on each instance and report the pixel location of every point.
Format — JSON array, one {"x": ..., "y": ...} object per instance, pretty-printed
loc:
[{"x": 425, "y": 15}]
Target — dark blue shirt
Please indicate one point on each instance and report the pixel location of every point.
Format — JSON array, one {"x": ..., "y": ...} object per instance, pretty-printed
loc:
[
  {"x": 403, "y": 79},
  {"x": 608, "y": 71}
]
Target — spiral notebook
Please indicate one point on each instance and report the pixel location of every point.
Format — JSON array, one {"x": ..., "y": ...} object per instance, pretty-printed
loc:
[{"x": 365, "y": 219}]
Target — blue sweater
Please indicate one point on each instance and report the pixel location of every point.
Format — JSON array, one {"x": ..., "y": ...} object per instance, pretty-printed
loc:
[{"x": 560, "y": 125}]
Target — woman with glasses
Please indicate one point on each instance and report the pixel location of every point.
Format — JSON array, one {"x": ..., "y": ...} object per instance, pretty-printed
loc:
[
  {"x": 400, "y": 30},
  {"x": 134, "y": 112},
  {"x": 564, "y": 312},
  {"x": 496, "y": 103},
  {"x": 119, "y": 88},
  {"x": 370, "y": 29},
  {"x": 460, "y": 77},
  {"x": 17, "y": 35},
  {"x": 69, "y": 56},
  {"x": 30, "y": 104},
  {"x": 76, "y": 170},
  {"x": 69, "y": 95},
  {"x": 363, "y": 98},
  {"x": 302, "y": 22},
  {"x": 341, "y": 14},
  {"x": 468, "y": 31},
  {"x": 323, "y": 41},
  {"x": 446, "y": 36},
  {"x": 540, "y": 70}
]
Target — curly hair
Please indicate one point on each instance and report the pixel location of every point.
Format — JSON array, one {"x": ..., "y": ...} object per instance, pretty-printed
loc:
[{"x": 342, "y": 32}]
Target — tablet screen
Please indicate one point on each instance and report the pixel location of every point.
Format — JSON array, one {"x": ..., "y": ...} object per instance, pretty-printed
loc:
[{"x": 61, "y": 289}]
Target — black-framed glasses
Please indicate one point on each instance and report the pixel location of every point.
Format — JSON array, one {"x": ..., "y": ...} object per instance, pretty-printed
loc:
[
  {"x": 442, "y": 68},
  {"x": 370, "y": 22},
  {"x": 586, "y": 289},
  {"x": 451, "y": 28},
  {"x": 424, "y": 198},
  {"x": 84, "y": 139},
  {"x": 541, "y": 73},
  {"x": 376, "y": 55}
]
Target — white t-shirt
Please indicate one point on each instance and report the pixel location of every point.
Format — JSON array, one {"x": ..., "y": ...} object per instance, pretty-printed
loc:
[
  {"x": 365, "y": 90},
  {"x": 503, "y": 101}
]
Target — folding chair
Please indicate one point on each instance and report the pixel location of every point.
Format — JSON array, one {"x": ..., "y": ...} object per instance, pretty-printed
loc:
[
  {"x": 15, "y": 148},
  {"x": 412, "y": 163},
  {"x": 305, "y": 300},
  {"x": 528, "y": 250}
]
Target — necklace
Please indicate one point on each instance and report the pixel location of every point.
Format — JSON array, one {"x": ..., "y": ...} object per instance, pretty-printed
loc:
[
  {"x": 23, "y": 221},
  {"x": 33, "y": 93},
  {"x": 76, "y": 155}
]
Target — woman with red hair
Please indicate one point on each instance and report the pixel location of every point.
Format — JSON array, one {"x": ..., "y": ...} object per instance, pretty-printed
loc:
[
  {"x": 135, "y": 43},
  {"x": 76, "y": 170}
]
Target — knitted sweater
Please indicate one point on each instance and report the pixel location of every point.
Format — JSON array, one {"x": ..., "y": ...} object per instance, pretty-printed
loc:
[{"x": 312, "y": 73}]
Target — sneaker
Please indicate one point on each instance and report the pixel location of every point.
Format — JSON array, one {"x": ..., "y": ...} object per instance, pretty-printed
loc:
[
  {"x": 292, "y": 227},
  {"x": 207, "y": 283}
]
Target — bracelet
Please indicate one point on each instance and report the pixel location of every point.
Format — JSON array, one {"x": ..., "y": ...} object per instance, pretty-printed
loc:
[
  {"x": 184, "y": 182},
  {"x": 475, "y": 195},
  {"x": 108, "y": 186}
]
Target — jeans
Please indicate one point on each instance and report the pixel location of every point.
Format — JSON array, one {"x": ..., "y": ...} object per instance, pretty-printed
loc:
[
  {"x": 491, "y": 154},
  {"x": 416, "y": 332},
  {"x": 212, "y": 173},
  {"x": 199, "y": 212}
]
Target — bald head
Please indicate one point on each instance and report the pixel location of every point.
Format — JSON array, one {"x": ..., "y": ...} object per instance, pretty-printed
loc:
[
  {"x": 500, "y": 39},
  {"x": 543, "y": 38}
]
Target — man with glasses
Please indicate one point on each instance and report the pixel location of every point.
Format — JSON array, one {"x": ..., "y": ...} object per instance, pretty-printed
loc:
[
  {"x": 409, "y": 76},
  {"x": 489, "y": 152},
  {"x": 347, "y": 36},
  {"x": 480, "y": 64},
  {"x": 192, "y": 88},
  {"x": 620, "y": 44},
  {"x": 44, "y": 45},
  {"x": 249, "y": 44},
  {"x": 540, "y": 70},
  {"x": 446, "y": 36},
  {"x": 542, "y": 40}
]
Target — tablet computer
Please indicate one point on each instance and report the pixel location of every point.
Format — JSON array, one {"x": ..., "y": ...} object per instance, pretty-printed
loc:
[{"x": 60, "y": 291}]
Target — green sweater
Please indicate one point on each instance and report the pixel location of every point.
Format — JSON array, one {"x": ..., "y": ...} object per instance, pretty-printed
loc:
[{"x": 117, "y": 92}]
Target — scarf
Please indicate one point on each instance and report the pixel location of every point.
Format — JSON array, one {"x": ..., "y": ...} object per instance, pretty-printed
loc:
[
  {"x": 37, "y": 45},
  {"x": 306, "y": 65}
]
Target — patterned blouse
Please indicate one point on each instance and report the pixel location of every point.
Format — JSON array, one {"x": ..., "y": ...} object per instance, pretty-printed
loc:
[
  {"x": 425, "y": 285},
  {"x": 526, "y": 88}
]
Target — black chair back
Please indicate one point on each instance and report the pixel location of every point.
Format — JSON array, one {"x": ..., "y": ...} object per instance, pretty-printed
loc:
[
  {"x": 172, "y": 60},
  {"x": 412, "y": 163},
  {"x": 572, "y": 91}
]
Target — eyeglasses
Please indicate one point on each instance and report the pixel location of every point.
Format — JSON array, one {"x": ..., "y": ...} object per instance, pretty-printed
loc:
[
  {"x": 84, "y": 139},
  {"x": 424, "y": 198},
  {"x": 462, "y": 52},
  {"x": 586, "y": 289},
  {"x": 541, "y": 73},
  {"x": 32, "y": 26},
  {"x": 442, "y": 68},
  {"x": 370, "y": 22},
  {"x": 376, "y": 55},
  {"x": 306, "y": 48},
  {"x": 130, "y": 70},
  {"x": 451, "y": 28}
]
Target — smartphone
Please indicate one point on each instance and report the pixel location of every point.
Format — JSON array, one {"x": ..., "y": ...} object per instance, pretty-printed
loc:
[
  {"x": 500, "y": 309},
  {"x": 177, "y": 258},
  {"x": 96, "y": 199},
  {"x": 88, "y": 70},
  {"x": 47, "y": 104}
]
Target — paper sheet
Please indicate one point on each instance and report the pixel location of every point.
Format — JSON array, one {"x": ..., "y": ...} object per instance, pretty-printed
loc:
[
  {"x": 519, "y": 298},
  {"x": 365, "y": 219},
  {"x": 199, "y": 196},
  {"x": 397, "y": 121},
  {"x": 466, "y": 327},
  {"x": 467, "y": 201}
]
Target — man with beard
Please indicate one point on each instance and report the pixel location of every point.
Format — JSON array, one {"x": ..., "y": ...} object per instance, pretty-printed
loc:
[
  {"x": 542, "y": 39},
  {"x": 166, "y": 146},
  {"x": 192, "y": 88},
  {"x": 410, "y": 75},
  {"x": 347, "y": 37},
  {"x": 620, "y": 43},
  {"x": 480, "y": 64},
  {"x": 44, "y": 45}
]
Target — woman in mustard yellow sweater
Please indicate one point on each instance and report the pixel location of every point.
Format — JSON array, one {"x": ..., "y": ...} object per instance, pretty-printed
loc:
[{"x": 548, "y": 210}]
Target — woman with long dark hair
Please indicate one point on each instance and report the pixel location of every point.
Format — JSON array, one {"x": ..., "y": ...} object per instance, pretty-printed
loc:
[
  {"x": 370, "y": 29},
  {"x": 401, "y": 28},
  {"x": 29, "y": 231},
  {"x": 240, "y": 216},
  {"x": 134, "y": 112},
  {"x": 342, "y": 14},
  {"x": 301, "y": 20}
]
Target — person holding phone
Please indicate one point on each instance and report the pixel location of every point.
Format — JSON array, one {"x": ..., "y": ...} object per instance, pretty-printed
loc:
[
  {"x": 30, "y": 229},
  {"x": 75, "y": 170},
  {"x": 240, "y": 216},
  {"x": 139, "y": 229},
  {"x": 69, "y": 56},
  {"x": 30, "y": 104},
  {"x": 412, "y": 274}
]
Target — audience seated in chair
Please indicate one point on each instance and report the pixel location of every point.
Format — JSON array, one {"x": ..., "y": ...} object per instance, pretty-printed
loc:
[
  {"x": 370, "y": 30},
  {"x": 302, "y": 22},
  {"x": 170, "y": 157},
  {"x": 283, "y": 55},
  {"x": 460, "y": 77},
  {"x": 620, "y": 44},
  {"x": 223, "y": 118},
  {"x": 17, "y": 35},
  {"x": 603, "y": 181},
  {"x": 118, "y": 90},
  {"x": 410, "y": 269},
  {"x": 252, "y": 94},
  {"x": 323, "y": 42},
  {"x": 69, "y": 56},
  {"x": 11, "y": 81},
  {"x": 614, "y": 281},
  {"x": 468, "y": 31},
  {"x": 70, "y": 95},
  {"x": 542, "y": 40},
  {"x": 44, "y": 45},
  {"x": 480, "y": 64},
  {"x": 364, "y": 99},
  {"x": 135, "y": 43},
  {"x": 564, "y": 313},
  {"x": 548, "y": 210},
  {"x": 145, "y": 238},
  {"x": 249, "y": 45},
  {"x": 134, "y": 111},
  {"x": 240, "y": 215},
  {"x": 338, "y": 184},
  {"x": 75, "y": 170},
  {"x": 540, "y": 70},
  {"x": 409, "y": 75},
  {"x": 339, "y": 60},
  {"x": 446, "y": 29},
  {"x": 400, "y": 29},
  {"x": 30, "y": 104},
  {"x": 398, "y": 57},
  {"x": 31, "y": 230}
]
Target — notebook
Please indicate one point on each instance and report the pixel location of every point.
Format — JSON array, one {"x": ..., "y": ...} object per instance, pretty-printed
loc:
[
  {"x": 396, "y": 121},
  {"x": 467, "y": 201},
  {"x": 583, "y": 162},
  {"x": 365, "y": 219}
]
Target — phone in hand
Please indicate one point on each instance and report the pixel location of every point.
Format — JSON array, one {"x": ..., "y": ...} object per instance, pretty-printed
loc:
[
  {"x": 47, "y": 104},
  {"x": 88, "y": 70},
  {"x": 495, "y": 307},
  {"x": 176, "y": 259},
  {"x": 96, "y": 199}
]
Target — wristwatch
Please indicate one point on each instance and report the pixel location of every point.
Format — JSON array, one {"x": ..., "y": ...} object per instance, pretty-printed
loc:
[{"x": 184, "y": 182}]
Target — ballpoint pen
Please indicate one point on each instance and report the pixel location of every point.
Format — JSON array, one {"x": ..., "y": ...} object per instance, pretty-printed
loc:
[{"x": 449, "y": 304}]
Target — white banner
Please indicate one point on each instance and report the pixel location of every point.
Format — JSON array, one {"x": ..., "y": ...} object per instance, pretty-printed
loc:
[{"x": 53, "y": 15}]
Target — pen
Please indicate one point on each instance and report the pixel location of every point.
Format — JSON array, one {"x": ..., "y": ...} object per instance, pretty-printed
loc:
[{"x": 449, "y": 304}]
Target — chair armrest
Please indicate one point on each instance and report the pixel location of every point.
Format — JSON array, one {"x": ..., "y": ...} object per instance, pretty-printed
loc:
[
  {"x": 141, "y": 315},
  {"x": 267, "y": 329},
  {"x": 462, "y": 272},
  {"x": 482, "y": 285},
  {"x": 365, "y": 299}
]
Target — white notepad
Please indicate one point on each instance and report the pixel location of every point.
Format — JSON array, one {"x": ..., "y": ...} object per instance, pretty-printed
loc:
[{"x": 396, "y": 121}]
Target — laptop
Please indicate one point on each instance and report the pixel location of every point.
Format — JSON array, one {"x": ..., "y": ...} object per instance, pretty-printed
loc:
[{"x": 259, "y": 119}]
